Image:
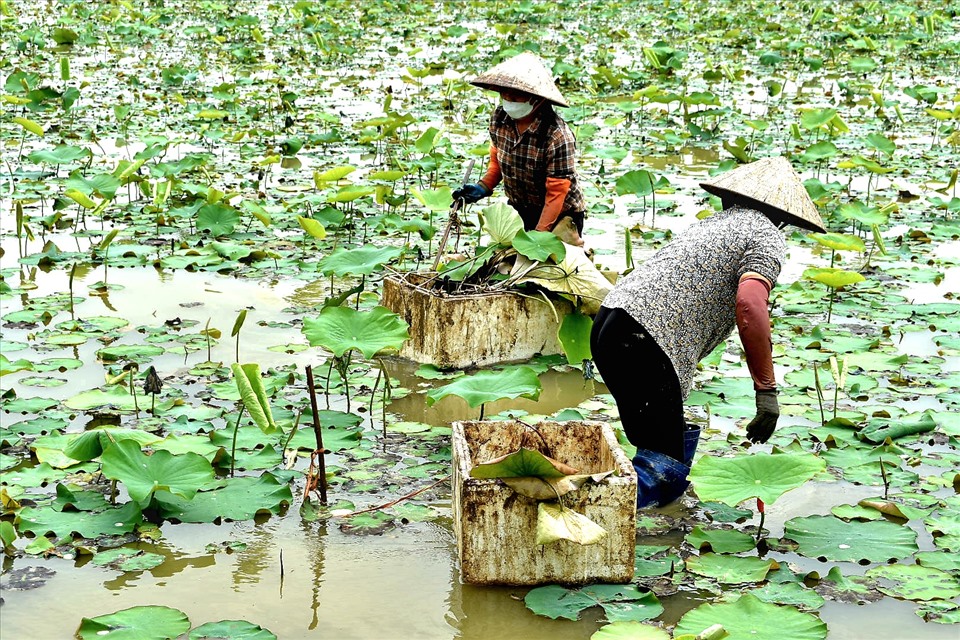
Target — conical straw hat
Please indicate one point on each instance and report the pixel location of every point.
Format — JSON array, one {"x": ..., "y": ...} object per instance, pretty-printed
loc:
[
  {"x": 772, "y": 187},
  {"x": 525, "y": 72}
]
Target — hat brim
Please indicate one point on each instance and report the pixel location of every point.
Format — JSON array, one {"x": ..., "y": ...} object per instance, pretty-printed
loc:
[{"x": 774, "y": 213}]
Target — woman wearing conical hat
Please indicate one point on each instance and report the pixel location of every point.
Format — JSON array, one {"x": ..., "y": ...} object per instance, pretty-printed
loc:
[
  {"x": 533, "y": 151},
  {"x": 659, "y": 321}
]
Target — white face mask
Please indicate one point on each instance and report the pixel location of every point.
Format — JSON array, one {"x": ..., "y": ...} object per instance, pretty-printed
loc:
[{"x": 516, "y": 110}]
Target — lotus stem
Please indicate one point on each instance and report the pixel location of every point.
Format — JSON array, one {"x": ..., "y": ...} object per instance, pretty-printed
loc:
[
  {"x": 318, "y": 432},
  {"x": 233, "y": 445}
]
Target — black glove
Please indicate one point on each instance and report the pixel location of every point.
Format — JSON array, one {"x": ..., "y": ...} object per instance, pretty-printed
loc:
[
  {"x": 470, "y": 193},
  {"x": 768, "y": 410}
]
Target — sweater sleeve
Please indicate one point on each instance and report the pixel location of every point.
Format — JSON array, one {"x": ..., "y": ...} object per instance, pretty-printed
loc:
[
  {"x": 753, "y": 325},
  {"x": 493, "y": 175},
  {"x": 557, "y": 189}
]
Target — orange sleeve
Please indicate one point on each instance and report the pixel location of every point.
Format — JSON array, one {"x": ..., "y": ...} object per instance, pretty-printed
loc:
[
  {"x": 493, "y": 176},
  {"x": 557, "y": 189},
  {"x": 753, "y": 323}
]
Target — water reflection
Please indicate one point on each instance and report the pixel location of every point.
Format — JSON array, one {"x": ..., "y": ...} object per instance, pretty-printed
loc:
[{"x": 561, "y": 389}]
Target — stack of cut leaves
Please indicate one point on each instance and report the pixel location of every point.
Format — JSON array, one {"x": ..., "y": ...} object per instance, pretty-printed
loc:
[
  {"x": 515, "y": 258},
  {"x": 539, "y": 477}
]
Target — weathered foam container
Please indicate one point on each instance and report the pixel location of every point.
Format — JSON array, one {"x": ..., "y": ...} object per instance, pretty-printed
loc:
[
  {"x": 495, "y": 527},
  {"x": 474, "y": 329}
]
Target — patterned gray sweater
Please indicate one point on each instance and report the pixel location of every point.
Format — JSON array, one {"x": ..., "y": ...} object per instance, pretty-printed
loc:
[{"x": 685, "y": 294}]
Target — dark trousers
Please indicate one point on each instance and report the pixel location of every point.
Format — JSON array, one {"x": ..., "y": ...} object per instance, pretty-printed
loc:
[
  {"x": 642, "y": 380},
  {"x": 531, "y": 217}
]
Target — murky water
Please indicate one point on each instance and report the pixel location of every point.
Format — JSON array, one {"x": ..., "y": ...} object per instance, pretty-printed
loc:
[{"x": 402, "y": 584}]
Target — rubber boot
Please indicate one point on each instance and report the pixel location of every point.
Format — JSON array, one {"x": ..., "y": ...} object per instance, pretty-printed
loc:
[
  {"x": 691, "y": 438},
  {"x": 660, "y": 478}
]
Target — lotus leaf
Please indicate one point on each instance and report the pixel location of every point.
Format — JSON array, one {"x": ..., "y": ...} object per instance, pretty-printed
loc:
[
  {"x": 945, "y": 527},
  {"x": 90, "y": 444},
  {"x": 143, "y": 475},
  {"x": 78, "y": 499},
  {"x": 8, "y": 366},
  {"x": 576, "y": 274},
  {"x": 437, "y": 200},
  {"x": 254, "y": 395},
  {"x": 501, "y": 222},
  {"x": 729, "y": 569},
  {"x": 914, "y": 582},
  {"x": 720, "y": 540},
  {"x": 136, "y": 623},
  {"x": 749, "y": 617},
  {"x": 489, "y": 386},
  {"x": 834, "y": 539},
  {"x": 126, "y": 559},
  {"x": 839, "y": 241},
  {"x": 939, "y": 611},
  {"x": 539, "y": 246},
  {"x": 620, "y": 602},
  {"x": 629, "y": 630},
  {"x": 341, "y": 329},
  {"x": 230, "y": 630},
  {"x": 218, "y": 219},
  {"x": 33, "y": 476},
  {"x": 239, "y": 499},
  {"x": 648, "y": 564},
  {"x": 41, "y": 521},
  {"x": 833, "y": 278},
  {"x": 362, "y": 261},
  {"x": 574, "y": 335},
  {"x": 789, "y": 593},
  {"x": 764, "y": 476},
  {"x": 520, "y": 464},
  {"x": 556, "y": 522},
  {"x": 878, "y": 430}
]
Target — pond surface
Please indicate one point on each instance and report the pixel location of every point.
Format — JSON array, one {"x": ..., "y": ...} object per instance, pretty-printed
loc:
[{"x": 241, "y": 109}]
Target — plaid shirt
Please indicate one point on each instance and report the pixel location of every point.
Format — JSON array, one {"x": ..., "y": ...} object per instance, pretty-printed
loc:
[{"x": 546, "y": 149}]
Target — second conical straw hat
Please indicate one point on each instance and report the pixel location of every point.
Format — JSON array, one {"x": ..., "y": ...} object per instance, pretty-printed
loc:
[
  {"x": 773, "y": 187},
  {"x": 525, "y": 72}
]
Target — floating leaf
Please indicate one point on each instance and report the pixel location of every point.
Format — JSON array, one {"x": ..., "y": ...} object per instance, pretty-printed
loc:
[
  {"x": 914, "y": 582},
  {"x": 136, "y": 623},
  {"x": 834, "y": 539},
  {"x": 489, "y": 386},
  {"x": 41, "y": 521},
  {"x": 619, "y": 602},
  {"x": 241, "y": 498},
  {"x": 729, "y": 569},
  {"x": 230, "y": 630},
  {"x": 749, "y": 617}
]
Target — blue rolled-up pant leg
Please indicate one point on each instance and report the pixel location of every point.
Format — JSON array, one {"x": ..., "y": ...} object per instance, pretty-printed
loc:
[{"x": 644, "y": 384}]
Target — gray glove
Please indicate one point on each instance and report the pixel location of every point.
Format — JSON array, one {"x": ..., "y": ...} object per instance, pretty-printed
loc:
[{"x": 768, "y": 411}]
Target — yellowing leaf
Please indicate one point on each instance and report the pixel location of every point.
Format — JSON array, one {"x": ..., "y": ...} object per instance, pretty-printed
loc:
[
  {"x": 555, "y": 522},
  {"x": 29, "y": 125},
  {"x": 313, "y": 227},
  {"x": 80, "y": 198},
  {"x": 212, "y": 114}
]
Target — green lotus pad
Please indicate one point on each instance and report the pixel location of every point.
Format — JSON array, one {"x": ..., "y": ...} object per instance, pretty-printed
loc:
[
  {"x": 135, "y": 623},
  {"x": 619, "y": 602},
  {"x": 750, "y": 618}
]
